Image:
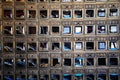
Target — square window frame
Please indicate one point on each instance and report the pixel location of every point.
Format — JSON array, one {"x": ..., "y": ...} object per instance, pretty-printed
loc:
[
  {"x": 63, "y": 46},
  {"x": 86, "y": 29},
  {"x": 67, "y": 16},
  {"x": 75, "y": 16}
]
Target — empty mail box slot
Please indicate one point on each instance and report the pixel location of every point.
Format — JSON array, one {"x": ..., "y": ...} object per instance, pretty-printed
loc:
[
  {"x": 101, "y": 61},
  {"x": 32, "y": 63},
  {"x": 44, "y": 62},
  {"x": 67, "y": 77},
  {"x": 20, "y": 63}
]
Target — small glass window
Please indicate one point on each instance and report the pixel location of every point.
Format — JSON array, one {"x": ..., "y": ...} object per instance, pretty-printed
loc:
[
  {"x": 113, "y": 45},
  {"x": 0, "y": 46},
  {"x": 44, "y": 77},
  {"x": 101, "y": 76},
  {"x": 113, "y": 28},
  {"x": 8, "y": 63},
  {"x": 31, "y": 14},
  {"x": 20, "y": 76},
  {"x": 101, "y": 13},
  {"x": 8, "y": 77},
  {"x": 8, "y": 14},
  {"x": 89, "y": 13},
  {"x": 77, "y": 13},
  {"x": 67, "y": 46},
  {"x": 78, "y": 62},
  {"x": 56, "y": 46},
  {"x": 90, "y": 29},
  {"x": 20, "y": 46},
  {"x": 43, "y": 30},
  {"x": 56, "y": 62},
  {"x": 8, "y": 47},
  {"x": 90, "y": 62},
  {"x": 43, "y": 13},
  {"x": 20, "y": 63},
  {"x": 55, "y": 29},
  {"x": 55, "y": 14},
  {"x": 32, "y": 63},
  {"x": 32, "y": 46},
  {"x": 78, "y": 30},
  {"x": 8, "y": 30},
  {"x": 113, "y": 12},
  {"x": 67, "y": 62},
  {"x": 44, "y": 62},
  {"x": 113, "y": 61},
  {"x": 20, "y": 30},
  {"x": 44, "y": 46},
  {"x": 114, "y": 76},
  {"x": 101, "y": 45},
  {"x": 20, "y": 14},
  {"x": 89, "y": 45},
  {"x": 66, "y": 0},
  {"x": 78, "y": 76},
  {"x": 67, "y": 77},
  {"x": 32, "y": 77},
  {"x": 55, "y": 77},
  {"x": 101, "y": 29},
  {"x": 90, "y": 77},
  {"x": 102, "y": 62},
  {"x": 78, "y": 45},
  {"x": 32, "y": 30},
  {"x": 67, "y": 14},
  {"x": 66, "y": 30}
]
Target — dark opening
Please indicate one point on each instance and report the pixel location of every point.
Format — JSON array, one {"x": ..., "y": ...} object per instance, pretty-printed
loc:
[
  {"x": 43, "y": 45},
  {"x": 32, "y": 46},
  {"x": 20, "y": 46},
  {"x": 101, "y": 76},
  {"x": 55, "y": 14},
  {"x": 32, "y": 77},
  {"x": 113, "y": 61},
  {"x": 8, "y": 47},
  {"x": 32, "y": 13},
  {"x": 32, "y": 63},
  {"x": 55, "y": 29},
  {"x": 101, "y": 61},
  {"x": 44, "y": 30},
  {"x": 78, "y": 13},
  {"x": 55, "y": 46},
  {"x": 8, "y": 63},
  {"x": 20, "y": 30},
  {"x": 7, "y": 13},
  {"x": 89, "y": 77},
  {"x": 20, "y": 63},
  {"x": 20, "y": 13},
  {"x": 113, "y": 12},
  {"x": 78, "y": 61},
  {"x": 78, "y": 77},
  {"x": 43, "y": 13},
  {"x": 56, "y": 62},
  {"x": 8, "y": 30},
  {"x": 44, "y": 62},
  {"x": 8, "y": 77},
  {"x": 67, "y": 62},
  {"x": 55, "y": 77},
  {"x": 20, "y": 77},
  {"x": 90, "y": 29},
  {"x": 67, "y": 77},
  {"x": 67, "y": 45},
  {"x": 44, "y": 77},
  {"x": 32, "y": 30},
  {"x": 89, "y": 45},
  {"x": 114, "y": 76},
  {"x": 90, "y": 61},
  {"x": 89, "y": 13}
]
